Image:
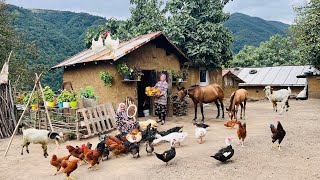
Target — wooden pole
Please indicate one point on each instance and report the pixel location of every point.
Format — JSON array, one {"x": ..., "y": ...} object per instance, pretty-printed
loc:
[
  {"x": 16, "y": 128},
  {"x": 45, "y": 107}
]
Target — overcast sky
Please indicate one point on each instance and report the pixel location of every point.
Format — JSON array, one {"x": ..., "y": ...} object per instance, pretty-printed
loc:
[{"x": 279, "y": 10}]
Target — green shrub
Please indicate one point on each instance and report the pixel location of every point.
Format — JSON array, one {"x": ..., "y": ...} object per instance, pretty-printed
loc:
[
  {"x": 88, "y": 93},
  {"x": 106, "y": 78}
]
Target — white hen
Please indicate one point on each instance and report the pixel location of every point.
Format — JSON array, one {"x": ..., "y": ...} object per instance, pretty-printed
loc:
[
  {"x": 110, "y": 44},
  {"x": 97, "y": 45},
  {"x": 176, "y": 137},
  {"x": 200, "y": 133}
]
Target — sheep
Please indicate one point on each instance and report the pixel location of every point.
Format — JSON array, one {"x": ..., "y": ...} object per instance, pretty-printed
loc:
[
  {"x": 42, "y": 137},
  {"x": 281, "y": 95}
]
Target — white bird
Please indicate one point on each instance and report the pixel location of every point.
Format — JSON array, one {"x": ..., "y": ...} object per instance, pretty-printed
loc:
[
  {"x": 110, "y": 44},
  {"x": 97, "y": 45},
  {"x": 200, "y": 133},
  {"x": 173, "y": 138}
]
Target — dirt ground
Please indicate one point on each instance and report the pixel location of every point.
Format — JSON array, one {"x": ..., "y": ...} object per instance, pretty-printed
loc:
[{"x": 299, "y": 158}]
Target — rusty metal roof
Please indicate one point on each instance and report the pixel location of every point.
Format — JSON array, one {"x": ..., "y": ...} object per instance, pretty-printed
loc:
[
  {"x": 123, "y": 49},
  {"x": 273, "y": 76}
]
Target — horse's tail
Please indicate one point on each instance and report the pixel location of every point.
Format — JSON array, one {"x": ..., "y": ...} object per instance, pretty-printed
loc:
[{"x": 231, "y": 100}]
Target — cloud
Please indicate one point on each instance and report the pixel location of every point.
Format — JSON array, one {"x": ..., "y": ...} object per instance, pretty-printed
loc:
[{"x": 278, "y": 10}]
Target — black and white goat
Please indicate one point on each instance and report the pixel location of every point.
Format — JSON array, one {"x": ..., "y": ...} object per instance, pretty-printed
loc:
[
  {"x": 42, "y": 137},
  {"x": 281, "y": 96}
]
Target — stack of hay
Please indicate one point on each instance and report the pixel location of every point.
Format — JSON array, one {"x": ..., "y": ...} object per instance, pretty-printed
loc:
[{"x": 180, "y": 108}]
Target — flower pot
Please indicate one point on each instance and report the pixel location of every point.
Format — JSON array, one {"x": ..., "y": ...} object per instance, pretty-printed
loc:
[
  {"x": 73, "y": 104},
  {"x": 33, "y": 107},
  {"x": 66, "y": 104},
  {"x": 60, "y": 104},
  {"x": 87, "y": 102},
  {"x": 126, "y": 77},
  {"x": 180, "y": 80},
  {"x": 50, "y": 104}
]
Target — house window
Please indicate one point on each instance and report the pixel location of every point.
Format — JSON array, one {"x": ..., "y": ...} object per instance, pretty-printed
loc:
[{"x": 203, "y": 76}]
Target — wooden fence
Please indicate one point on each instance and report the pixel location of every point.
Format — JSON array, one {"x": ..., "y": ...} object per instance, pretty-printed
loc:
[{"x": 94, "y": 120}]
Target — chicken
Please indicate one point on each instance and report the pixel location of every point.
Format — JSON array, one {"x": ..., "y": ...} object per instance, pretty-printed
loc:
[
  {"x": 86, "y": 148},
  {"x": 200, "y": 133},
  {"x": 135, "y": 136},
  {"x": 167, "y": 155},
  {"x": 97, "y": 45},
  {"x": 115, "y": 145},
  {"x": 177, "y": 137},
  {"x": 93, "y": 157},
  {"x": 110, "y": 44},
  {"x": 122, "y": 136},
  {"x": 56, "y": 162},
  {"x": 76, "y": 152},
  {"x": 149, "y": 134},
  {"x": 277, "y": 134},
  {"x": 202, "y": 125},
  {"x": 70, "y": 167},
  {"x": 225, "y": 153},
  {"x": 242, "y": 132},
  {"x": 134, "y": 149},
  {"x": 231, "y": 123},
  {"x": 105, "y": 151}
]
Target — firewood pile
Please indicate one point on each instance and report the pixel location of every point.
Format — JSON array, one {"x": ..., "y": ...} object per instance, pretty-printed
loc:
[
  {"x": 180, "y": 108},
  {"x": 7, "y": 117}
]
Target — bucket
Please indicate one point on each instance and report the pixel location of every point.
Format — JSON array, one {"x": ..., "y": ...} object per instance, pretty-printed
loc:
[{"x": 146, "y": 113}]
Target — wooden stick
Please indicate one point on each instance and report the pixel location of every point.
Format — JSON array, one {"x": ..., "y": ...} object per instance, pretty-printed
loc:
[
  {"x": 16, "y": 128},
  {"x": 45, "y": 107}
]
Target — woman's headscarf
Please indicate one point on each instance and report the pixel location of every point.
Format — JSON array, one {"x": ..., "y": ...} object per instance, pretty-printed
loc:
[{"x": 123, "y": 114}]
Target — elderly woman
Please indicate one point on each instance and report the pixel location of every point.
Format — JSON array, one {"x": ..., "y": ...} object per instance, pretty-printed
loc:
[
  {"x": 123, "y": 123},
  {"x": 161, "y": 100}
]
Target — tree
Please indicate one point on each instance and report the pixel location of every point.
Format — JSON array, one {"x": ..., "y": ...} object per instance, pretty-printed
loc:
[
  {"x": 147, "y": 16},
  {"x": 197, "y": 28},
  {"x": 307, "y": 31},
  {"x": 278, "y": 50}
]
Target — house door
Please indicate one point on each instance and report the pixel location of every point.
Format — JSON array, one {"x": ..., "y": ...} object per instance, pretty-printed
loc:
[
  {"x": 204, "y": 77},
  {"x": 155, "y": 76}
]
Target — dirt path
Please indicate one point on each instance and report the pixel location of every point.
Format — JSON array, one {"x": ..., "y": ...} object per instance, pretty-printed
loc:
[{"x": 299, "y": 159}]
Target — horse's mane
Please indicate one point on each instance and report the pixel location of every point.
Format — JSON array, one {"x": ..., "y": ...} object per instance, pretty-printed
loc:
[
  {"x": 193, "y": 86},
  {"x": 231, "y": 100}
]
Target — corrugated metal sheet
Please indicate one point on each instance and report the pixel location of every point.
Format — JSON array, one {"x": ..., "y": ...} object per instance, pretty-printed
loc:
[
  {"x": 274, "y": 76},
  {"x": 104, "y": 55}
]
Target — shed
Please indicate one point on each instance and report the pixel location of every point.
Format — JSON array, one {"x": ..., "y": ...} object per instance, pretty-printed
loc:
[
  {"x": 313, "y": 79},
  {"x": 230, "y": 82},
  {"x": 279, "y": 77},
  {"x": 152, "y": 53}
]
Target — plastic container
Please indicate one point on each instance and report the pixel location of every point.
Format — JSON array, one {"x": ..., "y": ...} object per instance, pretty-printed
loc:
[{"x": 146, "y": 113}]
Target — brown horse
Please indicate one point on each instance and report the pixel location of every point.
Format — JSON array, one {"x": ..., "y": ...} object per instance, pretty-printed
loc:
[
  {"x": 203, "y": 94},
  {"x": 236, "y": 99}
]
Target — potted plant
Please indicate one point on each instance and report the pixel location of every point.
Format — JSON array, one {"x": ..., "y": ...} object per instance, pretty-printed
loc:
[
  {"x": 179, "y": 76},
  {"x": 33, "y": 101},
  {"x": 173, "y": 74},
  {"x": 124, "y": 70},
  {"x": 88, "y": 96},
  {"x": 64, "y": 97},
  {"x": 106, "y": 78},
  {"x": 137, "y": 73},
  {"x": 49, "y": 95},
  {"x": 73, "y": 99}
]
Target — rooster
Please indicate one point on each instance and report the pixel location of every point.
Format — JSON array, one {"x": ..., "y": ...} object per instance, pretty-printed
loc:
[
  {"x": 242, "y": 132},
  {"x": 277, "y": 134},
  {"x": 93, "y": 157},
  {"x": 110, "y": 44},
  {"x": 115, "y": 145},
  {"x": 76, "y": 152}
]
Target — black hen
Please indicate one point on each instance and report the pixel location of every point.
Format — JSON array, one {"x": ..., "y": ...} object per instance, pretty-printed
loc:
[
  {"x": 148, "y": 134},
  {"x": 103, "y": 150},
  {"x": 169, "y": 131},
  {"x": 134, "y": 149},
  {"x": 167, "y": 155},
  {"x": 277, "y": 134},
  {"x": 201, "y": 125},
  {"x": 224, "y": 154}
]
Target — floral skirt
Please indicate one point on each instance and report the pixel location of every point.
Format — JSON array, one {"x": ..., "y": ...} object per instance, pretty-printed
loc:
[{"x": 161, "y": 111}]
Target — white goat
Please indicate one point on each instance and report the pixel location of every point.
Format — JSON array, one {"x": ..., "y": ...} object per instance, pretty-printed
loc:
[
  {"x": 42, "y": 137},
  {"x": 281, "y": 95}
]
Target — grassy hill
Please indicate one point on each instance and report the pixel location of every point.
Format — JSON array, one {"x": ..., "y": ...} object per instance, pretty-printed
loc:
[
  {"x": 252, "y": 30},
  {"x": 60, "y": 34}
]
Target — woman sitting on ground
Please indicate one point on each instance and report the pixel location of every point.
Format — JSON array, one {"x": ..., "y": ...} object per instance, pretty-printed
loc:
[{"x": 123, "y": 123}]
